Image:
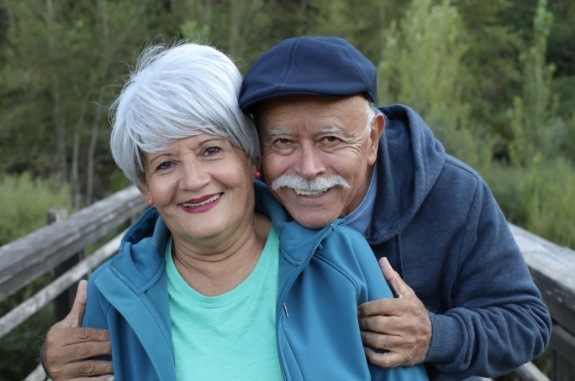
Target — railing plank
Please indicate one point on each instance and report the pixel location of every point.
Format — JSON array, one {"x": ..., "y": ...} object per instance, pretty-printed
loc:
[
  {"x": 22, "y": 312},
  {"x": 529, "y": 372},
  {"x": 552, "y": 267},
  {"x": 26, "y": 259}
]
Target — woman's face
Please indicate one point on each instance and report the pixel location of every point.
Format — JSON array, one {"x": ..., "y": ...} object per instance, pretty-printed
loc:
[{"x": 203, "y": 189}]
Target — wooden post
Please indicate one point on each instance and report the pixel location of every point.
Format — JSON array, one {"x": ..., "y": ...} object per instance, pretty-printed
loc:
[{"x": 63, "y": 302}]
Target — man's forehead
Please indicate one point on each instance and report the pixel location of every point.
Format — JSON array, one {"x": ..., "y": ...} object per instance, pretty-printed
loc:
[{"x": 288, "y": 107}]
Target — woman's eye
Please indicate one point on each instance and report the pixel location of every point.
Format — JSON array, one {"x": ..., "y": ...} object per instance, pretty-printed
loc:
[
  {"x": 212, "y": 151},
  {"x": 165, "y": 165}
]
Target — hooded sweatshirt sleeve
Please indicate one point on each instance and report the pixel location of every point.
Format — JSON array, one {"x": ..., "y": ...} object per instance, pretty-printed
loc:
[{"x": 497, "y": 320}]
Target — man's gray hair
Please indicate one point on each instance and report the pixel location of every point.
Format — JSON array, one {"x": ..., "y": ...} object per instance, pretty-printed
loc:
[{"x": 174, "y": 93}]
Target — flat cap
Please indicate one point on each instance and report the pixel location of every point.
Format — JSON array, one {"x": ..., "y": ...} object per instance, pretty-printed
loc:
[{"x": 309, "y": 65}]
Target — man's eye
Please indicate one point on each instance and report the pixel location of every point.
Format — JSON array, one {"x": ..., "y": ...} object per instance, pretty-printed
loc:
[
  {"x": 331, "y": 139},
  {"x": 282, "y": 142}
]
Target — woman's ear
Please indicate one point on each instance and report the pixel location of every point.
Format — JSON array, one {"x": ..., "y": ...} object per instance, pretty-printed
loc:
[
  {"x": 145, "y": 193},
  {"x": 256, "y": 169}
]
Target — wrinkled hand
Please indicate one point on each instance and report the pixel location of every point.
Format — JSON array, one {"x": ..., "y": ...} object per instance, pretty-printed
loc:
[
  {"x": 400, "y": 325},
  {"x": 68, "y": 349}
]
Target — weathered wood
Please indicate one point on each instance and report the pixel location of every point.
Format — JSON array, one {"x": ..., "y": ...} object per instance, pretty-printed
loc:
[
  {"x": 552, "y": 266},
  {"x": 563, "y": 342},
  {"x": 63, "y": 302},
  {"x": 25, "y": 259},
  {"x": 561, "y": 369},
  {"x": 529, "y": 372},
  {"x": 28, "y": 308}
]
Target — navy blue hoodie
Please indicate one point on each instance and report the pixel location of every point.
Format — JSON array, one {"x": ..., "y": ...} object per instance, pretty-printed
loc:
[{"x": 440, "y": 227}]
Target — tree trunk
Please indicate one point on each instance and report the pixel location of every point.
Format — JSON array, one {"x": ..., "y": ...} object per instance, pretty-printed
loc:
[{"x": 58, "y": 117}]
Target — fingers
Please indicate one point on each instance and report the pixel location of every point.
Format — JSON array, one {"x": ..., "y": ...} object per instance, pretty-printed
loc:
[
  {"x": 400, "y": 326},
  {"x": 69, "y": 350},
  {"x": 401, "y": 347},
  {"x": 399, "y": 287},
  {"x": 373, "y": 318},
  {"x": 67, "y": 353},
  {"x": 79, "y": 344},
  {"x": 385, "y": 359},
  {"x": 89, "y": 370},
  {"x": 381, "y": 341}
]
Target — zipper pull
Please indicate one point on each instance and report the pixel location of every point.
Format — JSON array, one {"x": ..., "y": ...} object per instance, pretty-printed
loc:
[{"x": 286, "y": 310}]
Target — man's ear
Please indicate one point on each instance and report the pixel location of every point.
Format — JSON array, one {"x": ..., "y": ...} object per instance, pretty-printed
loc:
[{"x": 376, "y": 129}]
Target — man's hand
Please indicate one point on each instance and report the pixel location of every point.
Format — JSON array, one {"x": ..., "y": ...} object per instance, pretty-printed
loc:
[
  {"x": 401, "y": 325},
  {"x": 68, "y": 349}
]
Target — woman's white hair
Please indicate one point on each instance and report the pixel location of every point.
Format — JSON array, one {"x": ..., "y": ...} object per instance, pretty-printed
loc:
[{"x": 174, "y": 93}]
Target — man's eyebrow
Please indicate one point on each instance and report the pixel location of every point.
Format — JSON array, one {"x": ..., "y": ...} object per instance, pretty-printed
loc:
[
  {"x": 277, "y": 132},
  {"x": 326, "y": 130},
  {"x": 337, "y": 130}
]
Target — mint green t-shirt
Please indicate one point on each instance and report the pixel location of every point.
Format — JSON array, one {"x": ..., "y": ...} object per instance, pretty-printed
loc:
[{"x": 230, "y": 336}]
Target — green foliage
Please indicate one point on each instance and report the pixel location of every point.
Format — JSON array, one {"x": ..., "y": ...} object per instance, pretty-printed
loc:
[
  {"x": 534, "y": 111},
  {"x": 24, "y": 203},
  {"x": 568, "y": 140},
  {"x": 505, "y": 181},
  {"x": 423, "y": 67},
  {"x": 536, "y": 189},
  {"x": 491, "y": 60},
  {"x": 550, "y": 209},
  {"x": 61, "y": 58},
  {"x": 538, "y": 198}
]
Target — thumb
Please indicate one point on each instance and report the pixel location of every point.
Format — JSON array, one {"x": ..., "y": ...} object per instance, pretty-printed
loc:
[
  {"x": 74, "y": 318},
  {"x": 388, "y": 272},
  {"x": 399, "y": 287}
]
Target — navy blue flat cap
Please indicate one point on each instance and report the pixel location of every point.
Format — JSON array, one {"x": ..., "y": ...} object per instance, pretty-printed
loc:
[{"x": 328, "y": 66}]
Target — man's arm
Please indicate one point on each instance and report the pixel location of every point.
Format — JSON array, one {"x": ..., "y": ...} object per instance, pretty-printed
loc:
[
  {"x": 496, "y": 320},
  {"x": 401, "y": 326},
  {"x": 69, "y": 350}
]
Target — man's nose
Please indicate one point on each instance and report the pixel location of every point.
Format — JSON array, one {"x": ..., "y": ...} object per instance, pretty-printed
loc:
[{"x": 310, "y": 161}]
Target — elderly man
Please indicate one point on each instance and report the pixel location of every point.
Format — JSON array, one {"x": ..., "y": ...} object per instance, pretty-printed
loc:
[{"x": 471, "y": 307}]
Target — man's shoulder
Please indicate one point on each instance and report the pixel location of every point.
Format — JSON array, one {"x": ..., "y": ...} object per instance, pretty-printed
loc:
[{"x": 462, "y": 174}]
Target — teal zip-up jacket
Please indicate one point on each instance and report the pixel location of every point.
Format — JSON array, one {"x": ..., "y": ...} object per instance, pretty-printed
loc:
[{"x": 323, "y": 276}]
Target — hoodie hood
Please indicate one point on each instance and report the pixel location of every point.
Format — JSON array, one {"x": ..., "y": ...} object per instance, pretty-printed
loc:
[
  {"x": 409, "y": 162},
  {"x": 142, "y": 252}
]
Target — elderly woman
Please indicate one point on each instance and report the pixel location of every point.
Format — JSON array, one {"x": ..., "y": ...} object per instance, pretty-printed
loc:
[{"x": 215, "y": 282}]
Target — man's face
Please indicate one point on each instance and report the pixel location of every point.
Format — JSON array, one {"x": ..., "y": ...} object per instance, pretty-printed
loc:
[{"x": 318, "y": 153}]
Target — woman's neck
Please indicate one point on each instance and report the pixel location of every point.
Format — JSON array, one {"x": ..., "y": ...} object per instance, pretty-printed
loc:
[{"x": 218, "y": 268}]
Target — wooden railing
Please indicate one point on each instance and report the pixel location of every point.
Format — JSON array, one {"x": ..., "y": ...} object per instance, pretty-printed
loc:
[
  {"x": 24, "y": 260},
  {"x": 41, "y": 252}
]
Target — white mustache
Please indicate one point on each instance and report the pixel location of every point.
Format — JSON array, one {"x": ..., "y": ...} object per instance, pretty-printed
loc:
[{"x": 318, "y": 184}]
